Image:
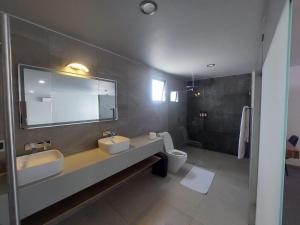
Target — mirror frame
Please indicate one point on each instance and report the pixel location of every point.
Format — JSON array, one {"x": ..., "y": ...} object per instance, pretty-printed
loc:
[{"x": 22, "y": 102}]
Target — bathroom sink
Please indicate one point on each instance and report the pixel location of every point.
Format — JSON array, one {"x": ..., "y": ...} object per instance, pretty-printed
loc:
[
  {"x": 38, "y": 166},
  {"x": 114, "y": 144}
]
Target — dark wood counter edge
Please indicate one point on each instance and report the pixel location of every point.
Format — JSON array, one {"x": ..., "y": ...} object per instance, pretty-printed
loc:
[{"x": 67, "y": 206}]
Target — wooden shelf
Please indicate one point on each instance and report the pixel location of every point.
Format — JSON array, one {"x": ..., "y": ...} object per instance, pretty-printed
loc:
[{"x": 74, "y": 202}]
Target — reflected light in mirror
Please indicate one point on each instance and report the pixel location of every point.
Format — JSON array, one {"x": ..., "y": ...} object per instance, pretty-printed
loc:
[{"x": 77, "y": 67}]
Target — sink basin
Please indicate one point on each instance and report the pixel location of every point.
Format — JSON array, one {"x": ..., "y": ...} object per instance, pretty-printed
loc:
[
  {"x": 38, "y": 166},
  {"x": 114, "y": 144}
]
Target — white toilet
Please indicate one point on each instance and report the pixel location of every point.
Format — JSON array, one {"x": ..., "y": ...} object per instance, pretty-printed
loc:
[{"x": 176, "y": 158}]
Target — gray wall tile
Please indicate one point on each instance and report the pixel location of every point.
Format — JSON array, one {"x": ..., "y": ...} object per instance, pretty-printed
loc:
[{"x": 137, "y": 113}]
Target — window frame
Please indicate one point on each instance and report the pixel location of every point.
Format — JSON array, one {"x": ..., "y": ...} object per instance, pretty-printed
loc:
[
  {"x": 164, "y": 90},
  {"x": 176, "y": 96}
]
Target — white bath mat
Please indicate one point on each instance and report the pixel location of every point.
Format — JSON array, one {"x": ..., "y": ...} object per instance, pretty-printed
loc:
[{"x": 198, "y": 179}]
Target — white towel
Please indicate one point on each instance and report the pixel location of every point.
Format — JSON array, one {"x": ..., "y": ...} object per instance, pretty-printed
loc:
[{"x": 244, "y": 132}]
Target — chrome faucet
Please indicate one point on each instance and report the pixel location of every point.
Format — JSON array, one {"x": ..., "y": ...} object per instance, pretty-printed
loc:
[
  {"x": 108, "y": 133},
  {"x": 35, "y": 147}
]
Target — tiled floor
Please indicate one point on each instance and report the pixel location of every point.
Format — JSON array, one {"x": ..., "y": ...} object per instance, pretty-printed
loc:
[
  {"x": 151, "y": 200},
  {"x": 291, "y": 214}
]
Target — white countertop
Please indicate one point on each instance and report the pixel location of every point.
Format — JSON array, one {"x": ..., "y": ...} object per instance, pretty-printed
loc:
[{"x": 80, "y": 171}]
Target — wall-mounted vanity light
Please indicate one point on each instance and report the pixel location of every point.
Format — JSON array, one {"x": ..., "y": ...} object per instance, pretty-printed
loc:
[{"x": 78, "y": 67}]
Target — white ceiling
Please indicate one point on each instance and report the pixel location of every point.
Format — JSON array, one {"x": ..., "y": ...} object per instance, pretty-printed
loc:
[{"x": 183, "y": 36}]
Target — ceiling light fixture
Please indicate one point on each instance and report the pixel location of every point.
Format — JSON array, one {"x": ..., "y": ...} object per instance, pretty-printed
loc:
[
  {"x": 148, "y": 7},
  {"x": 211, "y": 65},
  {"x": 78, "y": 67},
  {"x": 42, "y": 81}
]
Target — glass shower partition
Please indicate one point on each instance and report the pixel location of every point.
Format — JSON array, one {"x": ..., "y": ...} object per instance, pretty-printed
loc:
[
  {"x": 9, "y": 214},
  {"x": 273, "y": 122}
]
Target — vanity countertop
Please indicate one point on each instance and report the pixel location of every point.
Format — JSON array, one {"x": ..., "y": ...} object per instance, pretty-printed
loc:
[
  {"x": 80, "y": 171},
  {"x": 92, "y": 156},
  {"x": 87, "y": 158}
]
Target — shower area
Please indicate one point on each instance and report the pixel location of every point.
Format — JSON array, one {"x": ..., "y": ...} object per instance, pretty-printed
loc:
[{"x": 214, "y": 112}]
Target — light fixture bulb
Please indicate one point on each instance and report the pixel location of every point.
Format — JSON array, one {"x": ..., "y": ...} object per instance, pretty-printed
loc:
[
  {"x": 78, "y": 67},
  {"x": 148, "y": 7}
]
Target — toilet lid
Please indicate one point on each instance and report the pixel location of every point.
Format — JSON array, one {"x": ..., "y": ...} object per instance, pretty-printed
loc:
[{"x": 168, "y": 143}]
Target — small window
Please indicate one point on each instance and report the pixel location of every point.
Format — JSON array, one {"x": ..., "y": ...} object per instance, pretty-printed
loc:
[
  {"x": 174, "y": 96},
  {"x": 158, "y": 90}
]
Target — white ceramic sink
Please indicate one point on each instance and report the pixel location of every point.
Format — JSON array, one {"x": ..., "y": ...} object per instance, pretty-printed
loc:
[
  {"x": 114, "y": 144},
  {"x": 38, "y": 166}
]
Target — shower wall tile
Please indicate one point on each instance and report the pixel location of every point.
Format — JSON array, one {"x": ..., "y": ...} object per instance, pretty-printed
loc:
[{"x": 223, "y": 99}]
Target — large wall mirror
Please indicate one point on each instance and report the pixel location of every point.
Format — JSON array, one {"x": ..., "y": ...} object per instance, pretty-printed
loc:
[{"x": 54, "y": 98}]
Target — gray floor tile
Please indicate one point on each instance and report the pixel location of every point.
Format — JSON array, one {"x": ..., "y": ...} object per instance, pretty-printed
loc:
[
  {"x": 163, "y": 214},
  {"x": 216, "y": 211},
  {"x": 99, "y": 213},
  {"x": 182, "y": 172},
  {"x": 139, "y": 194},
  {"x": 152, "y": 200},
  {"x": 195, "y": 222},
  {"x": 291, "y": 213},
  {"x": 184, "y": 199},
  {"x": 227, "y": 199}
]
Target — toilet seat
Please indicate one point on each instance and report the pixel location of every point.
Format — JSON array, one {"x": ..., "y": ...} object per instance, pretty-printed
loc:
[{"x": 178, "y": 153}]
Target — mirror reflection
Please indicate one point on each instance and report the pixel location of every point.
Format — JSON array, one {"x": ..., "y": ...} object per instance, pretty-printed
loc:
[
  {"x": 107, "y": 99},
  {"x": 54, "y": 98}
]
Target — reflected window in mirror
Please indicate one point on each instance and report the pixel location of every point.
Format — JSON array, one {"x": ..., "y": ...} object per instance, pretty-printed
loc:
[{"x": 107, "y": 99}]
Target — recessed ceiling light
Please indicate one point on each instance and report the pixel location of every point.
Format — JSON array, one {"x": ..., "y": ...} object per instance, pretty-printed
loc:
[
  {"x": 148, "y": 7},
  {"x": 211, "y": 65},
  {"x": 42, "y": 81},
  {"x": 31, "y": 91}
]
